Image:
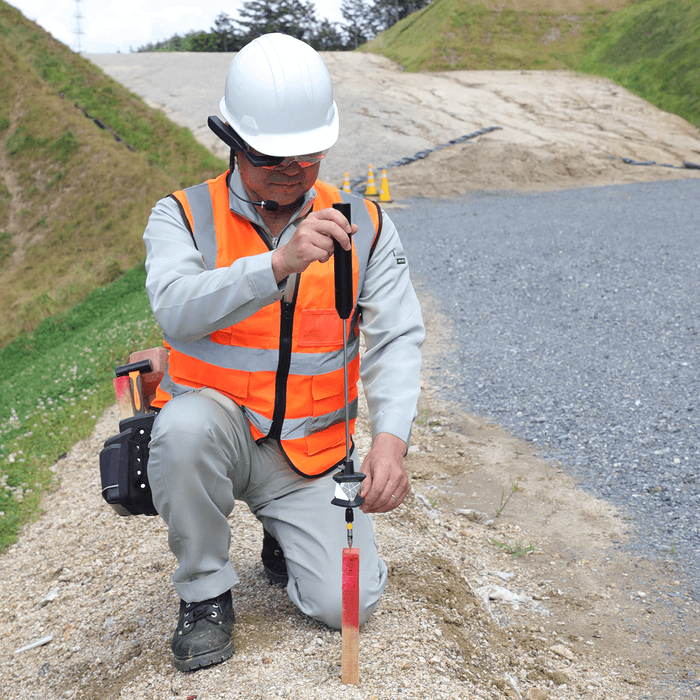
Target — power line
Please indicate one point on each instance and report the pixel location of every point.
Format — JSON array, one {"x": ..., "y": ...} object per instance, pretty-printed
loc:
[{"x": 78, "y": 29}]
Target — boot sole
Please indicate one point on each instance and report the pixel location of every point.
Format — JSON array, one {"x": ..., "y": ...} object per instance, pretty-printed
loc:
[
  {"x": 211, "y": 658},
  {"x": 274, "y": 577}
]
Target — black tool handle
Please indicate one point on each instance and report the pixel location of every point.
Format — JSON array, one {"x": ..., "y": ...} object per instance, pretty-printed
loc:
[
  {"x": 142, "y": 366},
  {"x": 344, "y": 296}
]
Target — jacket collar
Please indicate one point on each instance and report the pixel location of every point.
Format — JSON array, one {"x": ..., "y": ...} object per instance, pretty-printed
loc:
[{"x": 243, "y": 207}]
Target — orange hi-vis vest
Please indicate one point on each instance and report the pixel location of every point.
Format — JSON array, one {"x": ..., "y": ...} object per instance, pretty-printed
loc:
[{"x": 284, "y": 364}]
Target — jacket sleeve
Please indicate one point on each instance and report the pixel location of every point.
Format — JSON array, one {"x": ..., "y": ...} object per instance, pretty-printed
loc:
[
  {"x": 392, "y": 325},
  {"x": 190, "y": 301}
]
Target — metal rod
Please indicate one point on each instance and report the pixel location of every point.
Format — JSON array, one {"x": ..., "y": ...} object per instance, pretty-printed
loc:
[{"x": 345, "y": 386}]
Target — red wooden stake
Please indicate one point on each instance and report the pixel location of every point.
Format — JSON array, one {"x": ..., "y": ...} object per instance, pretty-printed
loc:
[
  {"x": 351, "y": 616},
  {"x": 125, "y": 399}
]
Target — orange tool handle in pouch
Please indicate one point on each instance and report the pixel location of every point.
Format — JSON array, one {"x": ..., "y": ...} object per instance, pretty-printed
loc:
[
  {"x": 129, "y": 389},
  {"x": 136, "y": 392}
]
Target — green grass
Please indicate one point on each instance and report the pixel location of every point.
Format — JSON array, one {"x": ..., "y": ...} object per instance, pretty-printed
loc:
[
  {"x": 652, "y": 49},
  {"x": 55, "y": 383},
  {"x": 6, "y": 246},
  {"x": 477, "y": 35},
  {"x": 514, "y": 488},
  {"x": 516, "y": 549}
]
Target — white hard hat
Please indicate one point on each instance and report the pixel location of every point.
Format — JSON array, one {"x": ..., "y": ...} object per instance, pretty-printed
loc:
[{"x": 279, "y": 97}]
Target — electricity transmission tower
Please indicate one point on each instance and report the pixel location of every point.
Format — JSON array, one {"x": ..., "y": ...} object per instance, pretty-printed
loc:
[{"x": 78, "y": 30}]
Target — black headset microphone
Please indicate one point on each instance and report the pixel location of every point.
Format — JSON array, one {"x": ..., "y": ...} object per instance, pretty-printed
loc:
[{"x": 267, "y": 205}]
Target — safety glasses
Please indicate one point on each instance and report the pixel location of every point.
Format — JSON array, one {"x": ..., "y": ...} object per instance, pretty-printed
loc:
[{"x": 303, "y": 161}]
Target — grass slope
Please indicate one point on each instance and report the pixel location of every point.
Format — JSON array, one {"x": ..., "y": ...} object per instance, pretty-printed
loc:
[
  {"x": 55, "y": 383},
  {"x": 82, "y": 161},
  {"x": 73, "y": 199},
  {"x": 490, "y": 35},
  {"x": 653, "y": 49}
]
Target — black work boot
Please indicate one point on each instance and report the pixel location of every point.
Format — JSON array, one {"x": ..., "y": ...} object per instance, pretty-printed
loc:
[
  {"x": 203, "y": 634},
  {"x": 273, "y": 560}
]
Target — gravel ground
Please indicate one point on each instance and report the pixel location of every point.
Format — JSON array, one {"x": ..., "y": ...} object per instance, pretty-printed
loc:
[
  {"x": 460, "y": 618},
  {"x": 575, "y": 319}
]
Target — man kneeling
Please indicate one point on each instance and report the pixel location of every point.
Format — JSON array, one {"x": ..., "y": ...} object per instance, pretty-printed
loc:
[{"x": 252, "y": 407}]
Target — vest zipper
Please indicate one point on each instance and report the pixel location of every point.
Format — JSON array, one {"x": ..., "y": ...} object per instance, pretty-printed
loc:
[
  {"x": 285, "y": 352},
  {"x": 285, "y": 361}
]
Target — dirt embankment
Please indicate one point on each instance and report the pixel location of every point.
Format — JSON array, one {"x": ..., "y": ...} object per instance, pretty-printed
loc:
[{"x": 558, "y": 129}]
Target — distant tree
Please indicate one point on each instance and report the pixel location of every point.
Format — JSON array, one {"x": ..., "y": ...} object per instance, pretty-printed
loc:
[
  {"x": 386, "y": 13},
  {"x": 328, "y": 36},
  {"x": 293, "y": 17},
  {"x": 205, "y": 42},
  {"x": 358, "y": 21},
  {"x": 228, "y": 37},
  {"x": 365, "y": 19}
]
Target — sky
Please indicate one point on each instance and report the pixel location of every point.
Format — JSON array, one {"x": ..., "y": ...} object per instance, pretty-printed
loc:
[{"x": 110, "y": 26}]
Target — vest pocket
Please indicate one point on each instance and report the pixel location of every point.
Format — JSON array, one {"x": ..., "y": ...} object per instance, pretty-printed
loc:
[
  {"x": 261, "y": 330},
  {"x": 238, "y": 385},
  {"x": 328, "y": 394},
  {"x": 328, "y": 439},
  {"x": 222, "y": 337},
  {"x": 320, "y": 327},
  {"x": 325, "y": 386}
]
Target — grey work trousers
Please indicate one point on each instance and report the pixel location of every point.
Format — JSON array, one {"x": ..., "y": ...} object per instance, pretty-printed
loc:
[{"x": 202, "y": 458}]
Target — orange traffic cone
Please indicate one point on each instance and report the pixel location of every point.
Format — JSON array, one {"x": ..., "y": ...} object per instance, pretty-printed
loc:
[
  {"x": 384, "y": 195},
  {"x": 371, "y": 190},
  {"x": 346, "y": 183}
]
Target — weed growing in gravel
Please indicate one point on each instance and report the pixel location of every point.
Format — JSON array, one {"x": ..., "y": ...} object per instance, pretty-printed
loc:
[
  {"x": 518, "y": 549},
  {"x": 55, "y": 383},
  {"x": 514, "y": 488}
]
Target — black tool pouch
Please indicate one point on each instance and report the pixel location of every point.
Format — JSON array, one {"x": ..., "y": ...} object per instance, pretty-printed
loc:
[{"x": 123, "y": 467}]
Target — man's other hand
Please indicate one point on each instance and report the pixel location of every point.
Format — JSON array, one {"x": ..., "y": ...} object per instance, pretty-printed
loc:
[
  {"x": 312, "y": 241},
  {"x": 386, "y": 483}
]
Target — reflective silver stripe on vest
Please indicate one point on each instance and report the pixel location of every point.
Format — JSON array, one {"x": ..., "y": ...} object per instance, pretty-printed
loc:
[
  {"x": 295, "y": 428},
  {"x": 199, "y": 199},
  {"x": 256, "y": 360},
  {"x": 172, "y": 388}
]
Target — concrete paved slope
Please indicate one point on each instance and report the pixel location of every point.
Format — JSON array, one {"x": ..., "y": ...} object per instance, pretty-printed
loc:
[{"x": 559, "y": 129}]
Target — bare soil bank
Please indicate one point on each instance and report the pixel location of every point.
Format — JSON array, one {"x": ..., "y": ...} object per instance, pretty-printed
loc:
[{"x": 559, "y": 129}]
